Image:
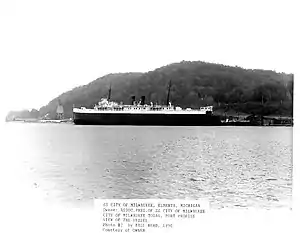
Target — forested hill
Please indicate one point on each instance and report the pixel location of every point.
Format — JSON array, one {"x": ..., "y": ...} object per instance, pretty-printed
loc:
[{"x": 193, "y": 84}]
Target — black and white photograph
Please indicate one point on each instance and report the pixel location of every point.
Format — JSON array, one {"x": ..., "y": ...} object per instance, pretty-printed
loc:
[{"x": 147, "y": 100}]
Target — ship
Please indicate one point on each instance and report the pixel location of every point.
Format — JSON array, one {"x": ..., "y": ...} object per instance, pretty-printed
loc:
[{"x": 108, "y": 112}]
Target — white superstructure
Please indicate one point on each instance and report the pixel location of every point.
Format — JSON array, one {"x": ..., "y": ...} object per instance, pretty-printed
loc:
[{"x": 106, "y": 106}]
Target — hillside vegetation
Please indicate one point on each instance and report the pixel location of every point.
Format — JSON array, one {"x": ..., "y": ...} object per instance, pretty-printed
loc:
[{"x": 193, "y": 84}]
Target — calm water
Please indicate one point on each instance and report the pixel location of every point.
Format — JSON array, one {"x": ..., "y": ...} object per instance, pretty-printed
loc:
[{"x": 234, "y": 167}]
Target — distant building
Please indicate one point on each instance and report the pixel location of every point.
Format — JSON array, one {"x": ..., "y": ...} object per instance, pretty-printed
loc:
[
  {"x": 279, "y": 120},
  {"x": 46, "y": 117},
  {"x": 270, "y": 120}
]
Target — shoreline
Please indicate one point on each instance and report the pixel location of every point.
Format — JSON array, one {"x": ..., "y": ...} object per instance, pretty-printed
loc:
[
  {"x": 67, "y": 121},
  {"x": 238, "y": 124}
]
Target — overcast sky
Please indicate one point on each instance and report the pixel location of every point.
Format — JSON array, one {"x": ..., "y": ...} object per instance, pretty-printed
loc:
[{"x": 49, "y": 47}]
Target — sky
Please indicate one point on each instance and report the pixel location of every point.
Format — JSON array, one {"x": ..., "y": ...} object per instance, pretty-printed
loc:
[{"x": 50, "y": 47}]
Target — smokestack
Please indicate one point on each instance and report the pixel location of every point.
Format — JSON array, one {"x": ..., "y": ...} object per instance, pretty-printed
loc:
[
  {"x": 132, "y": 100},
  {"x": 143, "y": 100}
]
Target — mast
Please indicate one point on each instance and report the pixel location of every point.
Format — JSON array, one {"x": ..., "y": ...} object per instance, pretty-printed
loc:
[
  {"x": 109, "y": 92},
  {"x": 168, "y": 96}
]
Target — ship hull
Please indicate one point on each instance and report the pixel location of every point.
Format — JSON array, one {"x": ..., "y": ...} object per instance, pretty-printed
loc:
[{"x": 145, "y": 119}]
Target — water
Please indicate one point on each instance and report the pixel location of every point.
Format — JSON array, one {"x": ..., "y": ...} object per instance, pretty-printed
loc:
[{"x": 235, "y": 167}]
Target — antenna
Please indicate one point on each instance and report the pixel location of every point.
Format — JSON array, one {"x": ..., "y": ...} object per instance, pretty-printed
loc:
[{"x": 168, "y": 96}]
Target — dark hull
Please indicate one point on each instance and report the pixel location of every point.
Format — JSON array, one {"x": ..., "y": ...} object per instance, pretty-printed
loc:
[{"x": 145, "y": 119}]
